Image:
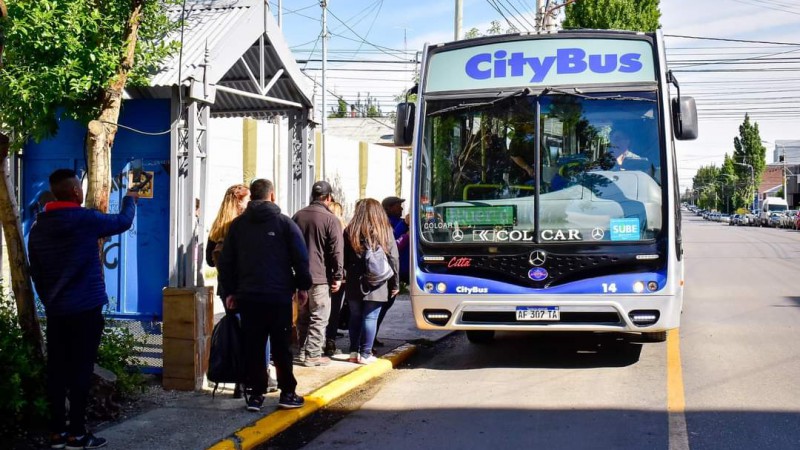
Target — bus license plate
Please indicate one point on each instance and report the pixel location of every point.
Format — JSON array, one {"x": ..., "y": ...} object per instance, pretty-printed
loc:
[{"x": 538, "y": 313}]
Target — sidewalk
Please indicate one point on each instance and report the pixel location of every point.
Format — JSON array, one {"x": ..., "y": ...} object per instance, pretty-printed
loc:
[{"x": 193, "y": 420}]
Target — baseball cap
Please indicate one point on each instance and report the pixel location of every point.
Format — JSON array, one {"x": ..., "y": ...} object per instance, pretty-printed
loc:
[
  {"x": 320, "y": 189},
  {"x": 390, "y": 201}
]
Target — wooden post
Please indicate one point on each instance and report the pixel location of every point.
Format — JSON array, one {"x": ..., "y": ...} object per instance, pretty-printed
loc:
[{"x": 188, "y": 322}]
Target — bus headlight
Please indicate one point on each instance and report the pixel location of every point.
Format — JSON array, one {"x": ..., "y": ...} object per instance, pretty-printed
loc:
[
  {"x": 429, "y": 287},
  {"x": 638, "y": 287},
  {"x": 441, "y": 288}
]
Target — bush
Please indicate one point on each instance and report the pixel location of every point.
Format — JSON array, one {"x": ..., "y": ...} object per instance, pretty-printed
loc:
[
  {"x": 117, "y": 353},
  {"x": 22, "y": 378}
]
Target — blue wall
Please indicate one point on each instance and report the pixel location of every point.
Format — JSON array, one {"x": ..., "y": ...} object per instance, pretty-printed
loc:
[{"x": 136, "y": 262}]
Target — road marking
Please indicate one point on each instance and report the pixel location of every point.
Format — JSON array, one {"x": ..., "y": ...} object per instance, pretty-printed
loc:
[{"x": 676, "y": 403}]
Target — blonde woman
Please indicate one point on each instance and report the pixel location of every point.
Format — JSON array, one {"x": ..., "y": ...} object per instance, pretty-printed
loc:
[
  {"x": 368, "y": 229},
  {"x": 233, "y": 204}
]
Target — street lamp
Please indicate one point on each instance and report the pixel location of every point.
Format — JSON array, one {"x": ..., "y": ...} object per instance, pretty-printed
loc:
[{"x": 753, "y": 181}]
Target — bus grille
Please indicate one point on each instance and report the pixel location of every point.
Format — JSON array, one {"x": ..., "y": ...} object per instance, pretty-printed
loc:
[{"x": 510, "y": 318}]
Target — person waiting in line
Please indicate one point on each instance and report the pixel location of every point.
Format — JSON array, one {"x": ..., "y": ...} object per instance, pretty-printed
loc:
[
  {"x": 66, "y": 270},
  {"x": 264, "y": 260},
  {"x": 323, "y": 235},
  {"x": 337, "y": 298},
  {"x": 369, "y": 228},
  {"x": 394, "y": 211}
]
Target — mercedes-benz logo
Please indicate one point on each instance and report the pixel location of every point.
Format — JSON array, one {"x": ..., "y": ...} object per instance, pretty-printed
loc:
[
  {"x": 598, "y": 234},
  {"x": 458, "y": 235},
  {"x": 537, "y": 258}
]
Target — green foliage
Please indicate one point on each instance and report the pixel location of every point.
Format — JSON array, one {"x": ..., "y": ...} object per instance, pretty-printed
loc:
[
  {"x": 61, "y": 54},
  {"x": 22, "y": 380},
  {"x": 494, "y": 29},
  {"x": 117, "y": 353},
  {"x": 749, "y": 149},
  {"x": 637, "y": 15}
]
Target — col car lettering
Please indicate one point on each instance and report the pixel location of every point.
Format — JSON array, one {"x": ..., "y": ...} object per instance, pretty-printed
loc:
[
  {"x": 525, "y": 235},
  {"x": 567, "y": 61}
]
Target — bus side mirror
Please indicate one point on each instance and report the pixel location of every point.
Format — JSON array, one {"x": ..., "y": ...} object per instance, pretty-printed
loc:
[
  {"x": 684, "y": 118},
  {"x": 404, "y": 124}
]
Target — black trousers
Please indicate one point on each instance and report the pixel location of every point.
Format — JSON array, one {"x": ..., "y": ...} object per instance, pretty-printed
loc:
[
  {"x": 267, "y": 317},
  {"x": 336, "y": 307},
  {"x": 72, "y": 343},
  {"x": 384, "y": 309}
]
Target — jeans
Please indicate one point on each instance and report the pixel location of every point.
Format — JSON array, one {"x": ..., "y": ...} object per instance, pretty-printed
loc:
[
  {"x": 267, "y": 318},
  {"x": 72, "y": 343},
  {"x": 363, "y": 325},
  {"x": 312, "y": 321}
]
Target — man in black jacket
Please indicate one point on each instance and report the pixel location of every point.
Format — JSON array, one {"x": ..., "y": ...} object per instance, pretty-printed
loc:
[
  {"x": 323, "y": 235},
  {"x": 264, "y": 260}
]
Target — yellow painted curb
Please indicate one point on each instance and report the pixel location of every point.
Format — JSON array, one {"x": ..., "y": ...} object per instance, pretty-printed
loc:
[{"x": 271, "y": 425}]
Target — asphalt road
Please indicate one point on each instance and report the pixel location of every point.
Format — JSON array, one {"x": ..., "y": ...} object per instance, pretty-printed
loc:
[{"x": 727, "y": 380}]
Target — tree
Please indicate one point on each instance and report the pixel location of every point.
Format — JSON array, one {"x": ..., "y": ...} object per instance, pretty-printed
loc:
[
  {"x": 749, "y": 150},
  {"x": 495, "y": 28},
  {"x": 637, "y": 15},
  {"x": 340, "y": 111},
  {"x": 72, "y": 59}
]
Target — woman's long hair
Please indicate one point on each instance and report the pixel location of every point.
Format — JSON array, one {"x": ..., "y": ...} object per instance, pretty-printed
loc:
[
  {"x": 232, "y": 206},
  {"x": 370, "y": 226}
]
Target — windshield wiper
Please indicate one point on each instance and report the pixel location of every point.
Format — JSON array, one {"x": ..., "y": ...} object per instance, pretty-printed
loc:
[
  {"x": 577, "y": 93},
  {"x": 520, "y": 93}
]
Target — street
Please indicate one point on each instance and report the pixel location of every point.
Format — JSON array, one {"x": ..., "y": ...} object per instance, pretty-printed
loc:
[{"x": 737, "y": 350}]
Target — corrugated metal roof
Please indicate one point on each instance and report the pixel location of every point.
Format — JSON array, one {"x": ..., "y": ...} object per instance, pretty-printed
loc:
[{"x": 230, "y": 30}]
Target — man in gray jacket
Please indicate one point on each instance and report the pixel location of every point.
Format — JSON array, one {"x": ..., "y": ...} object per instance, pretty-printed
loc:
[{"x": 323, "y": 235}]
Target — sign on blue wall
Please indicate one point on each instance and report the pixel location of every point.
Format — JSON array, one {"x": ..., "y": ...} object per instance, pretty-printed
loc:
[{"x": 135, "y": 262}]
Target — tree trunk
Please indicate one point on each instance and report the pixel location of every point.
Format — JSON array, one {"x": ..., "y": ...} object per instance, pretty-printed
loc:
[
  {"x": 18, "y": 261},
  {"x": 101, "y": 132}
]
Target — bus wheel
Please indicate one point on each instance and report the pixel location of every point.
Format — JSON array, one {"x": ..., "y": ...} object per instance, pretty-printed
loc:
[
  {"x": 658, "y": 336},
  {"x": 480, "y": 336}
]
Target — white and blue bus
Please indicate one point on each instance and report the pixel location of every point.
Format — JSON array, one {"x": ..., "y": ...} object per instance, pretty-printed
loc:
[{"x": 545, "y": 191}]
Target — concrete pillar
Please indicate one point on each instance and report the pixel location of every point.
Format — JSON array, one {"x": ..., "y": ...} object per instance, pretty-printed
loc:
[
  {"x": 363, "y": 169},
  {"x": 249, "y": 150}
]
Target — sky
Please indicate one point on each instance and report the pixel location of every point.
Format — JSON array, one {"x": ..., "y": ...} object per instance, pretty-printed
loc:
[{"x": 727, "y": 78}]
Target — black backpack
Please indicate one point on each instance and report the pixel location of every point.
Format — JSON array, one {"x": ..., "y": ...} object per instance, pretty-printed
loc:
[
  {"x": 226, "y": 360},
  {"x": 377, "y": 269}
]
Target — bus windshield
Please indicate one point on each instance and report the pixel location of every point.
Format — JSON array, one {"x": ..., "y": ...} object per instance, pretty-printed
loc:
[{"x": 597, "y": 175}]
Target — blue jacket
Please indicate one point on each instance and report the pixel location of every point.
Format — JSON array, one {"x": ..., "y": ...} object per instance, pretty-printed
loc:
[
  {"x": 64, "y": 256},
  {"x": 264, "y": 254},
  {"x": 400, "y": 228}
]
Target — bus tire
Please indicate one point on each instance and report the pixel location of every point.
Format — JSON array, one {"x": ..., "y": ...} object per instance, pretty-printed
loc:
[
  {"x": 657, "y": 336},
  {"x": 480, "y": 336}
]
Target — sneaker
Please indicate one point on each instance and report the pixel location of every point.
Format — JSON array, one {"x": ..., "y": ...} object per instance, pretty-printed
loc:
[
  {"x": 88, "y": 440},
  {"x": 58, "y": 440},
  {"x": 255, "y": 402},
  {"x": 364, "y": 360},
  {"x": 290, "y": 401},
  {"x": 298, "y": 360},
  {"x": 318, "y": 361},
  {"x": 353, "y": 357}
]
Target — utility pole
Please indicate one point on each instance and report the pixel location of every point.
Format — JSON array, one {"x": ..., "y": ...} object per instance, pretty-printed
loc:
[
  {"x": 280, "y": 13},
  {"x": 324, "y": 5},
  {"x": 539, "y": 16},
  {"x": 458, "y": 19}
]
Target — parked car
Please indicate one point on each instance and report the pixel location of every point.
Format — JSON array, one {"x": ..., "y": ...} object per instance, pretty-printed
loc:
[
  {"x": 788, "y": 218},
  {"x": 774, "y": 220}
]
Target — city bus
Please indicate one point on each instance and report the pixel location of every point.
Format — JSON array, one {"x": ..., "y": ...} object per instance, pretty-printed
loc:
[{"x": 545, "y": 185}]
